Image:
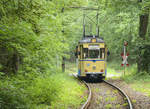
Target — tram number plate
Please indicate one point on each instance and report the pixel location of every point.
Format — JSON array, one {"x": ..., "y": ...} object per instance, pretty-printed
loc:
[{"x": 94, "y": 47}]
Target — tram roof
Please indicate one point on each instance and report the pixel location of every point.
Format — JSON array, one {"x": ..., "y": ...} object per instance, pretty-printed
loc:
[{"x": 87, "y": 39}]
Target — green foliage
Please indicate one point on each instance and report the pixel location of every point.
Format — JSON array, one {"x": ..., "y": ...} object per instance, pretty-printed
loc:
[
  {"x": 138, "y": 81},
  {"x": 40, "y": 91},
  {"x": 31, "y": 43},
  {"x": 36, "y": 34},
  {"x": 119, "y": 21},
  {"x": 133, "y": 76},
  {"x": 71, "y": 95},
  {"x": 12, "y": 94},
  {"x": 31, "y": 34}
]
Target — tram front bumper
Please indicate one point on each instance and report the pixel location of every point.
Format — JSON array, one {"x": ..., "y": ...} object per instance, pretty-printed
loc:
[{"x": 94, "y": 73}]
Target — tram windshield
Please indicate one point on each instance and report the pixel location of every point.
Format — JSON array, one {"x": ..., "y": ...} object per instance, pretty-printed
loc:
[
  {"x": 93, "y": 53},
  {"x": 89, "y": 53}
]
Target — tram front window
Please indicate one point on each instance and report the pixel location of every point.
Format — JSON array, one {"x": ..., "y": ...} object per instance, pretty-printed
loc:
[
  {"x": 93, "y": 53},
  {"x": 97, "y": 53}
]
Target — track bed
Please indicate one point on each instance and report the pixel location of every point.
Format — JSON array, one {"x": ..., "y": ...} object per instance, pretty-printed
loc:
[{"x": 104, "y": 97}]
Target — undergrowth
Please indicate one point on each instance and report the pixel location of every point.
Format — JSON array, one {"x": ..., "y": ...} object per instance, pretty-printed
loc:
[
  {"x": 31, "y": 91},
  {"x": 133, "y": 76},
  {"x": 138, "y": 81},
  {"x": 114, "y": 69}
]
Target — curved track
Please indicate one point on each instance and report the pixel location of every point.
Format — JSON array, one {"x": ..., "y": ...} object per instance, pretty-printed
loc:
[
  {"x": 87, "y": 103},
  {"x": 126, "y": 98},
  {"x": 123, "y": 93}
]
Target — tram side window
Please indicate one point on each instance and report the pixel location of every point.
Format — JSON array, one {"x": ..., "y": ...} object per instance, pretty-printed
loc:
[
  {"x": 102, "y": 53},
  {"x": 93, "y": 53},
  {"x": 85, "y": 53}
]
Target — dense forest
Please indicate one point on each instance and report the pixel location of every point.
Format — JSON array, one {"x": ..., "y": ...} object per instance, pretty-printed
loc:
[{"x": 37, "y": 35}]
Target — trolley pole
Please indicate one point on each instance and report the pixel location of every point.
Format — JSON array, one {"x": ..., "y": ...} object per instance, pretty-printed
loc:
[
  {"x": 97, "y": 24},
  {"x": 83, "y": 24}
]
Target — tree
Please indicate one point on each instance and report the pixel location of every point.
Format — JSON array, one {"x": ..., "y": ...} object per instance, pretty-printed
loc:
[
  {"x": 30, "y": 34},
  {"x": 143, "y": 60}
]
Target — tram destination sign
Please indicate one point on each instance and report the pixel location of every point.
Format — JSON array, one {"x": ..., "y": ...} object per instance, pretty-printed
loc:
[{"x": 94, "y": 47}]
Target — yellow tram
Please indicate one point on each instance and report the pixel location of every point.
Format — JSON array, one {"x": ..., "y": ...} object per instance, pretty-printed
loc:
[{"x": 91, "y": 54}]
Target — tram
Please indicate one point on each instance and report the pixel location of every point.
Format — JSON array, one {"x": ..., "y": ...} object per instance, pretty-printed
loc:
[{"x": 91, "y": 54}]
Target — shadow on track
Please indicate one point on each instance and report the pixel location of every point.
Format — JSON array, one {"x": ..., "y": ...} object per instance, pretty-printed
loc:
[{"x": 91, "y": 79}]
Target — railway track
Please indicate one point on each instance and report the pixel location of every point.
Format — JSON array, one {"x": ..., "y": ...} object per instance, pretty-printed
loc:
[
  {"x": 123, "y": 93},
  {"x": 87, "y": 103}
]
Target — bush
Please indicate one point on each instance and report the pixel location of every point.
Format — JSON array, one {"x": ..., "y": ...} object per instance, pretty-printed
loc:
[
  {"x": 133, "y": 76},
  {"x": 34, "y": 91},
  {"x": 12, "y": 95},
  {"x": 44, "y": 90}
]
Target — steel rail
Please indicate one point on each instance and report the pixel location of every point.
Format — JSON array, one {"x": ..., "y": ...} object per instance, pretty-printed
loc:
[
  {"x": 123, "y": 93},
  {"x": 87, "y": 103}
]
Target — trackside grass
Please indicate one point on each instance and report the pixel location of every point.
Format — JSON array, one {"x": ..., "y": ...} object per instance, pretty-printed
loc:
[
  {"x": 114, "y": 70},
  {"x": 138, "y": 81},
  {"x": 31, "y": 91},
  {"x": 71, "y": 67}
]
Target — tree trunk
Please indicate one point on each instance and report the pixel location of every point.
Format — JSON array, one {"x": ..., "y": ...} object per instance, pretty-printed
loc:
[
  {"x": 63, "y": 64},
  {"x": 143, "y": 25},
  {"x": 15, "y": 63}
]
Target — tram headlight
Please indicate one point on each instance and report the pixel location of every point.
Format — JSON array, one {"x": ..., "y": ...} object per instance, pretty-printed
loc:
[
  {"x": 102, "y": 70},
  {"x": 86, "y": 70}
]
